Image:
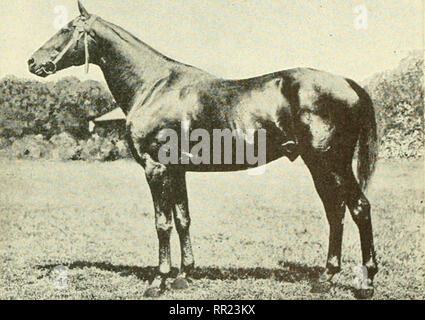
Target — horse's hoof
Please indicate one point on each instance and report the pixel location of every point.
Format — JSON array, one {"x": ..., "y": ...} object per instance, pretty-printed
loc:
[
  {"x": 180, "y": 284},
  {"x": 364, "y": 294},
  {"x": 152, "y": 292},
  {"x": 321, "y": 287}
]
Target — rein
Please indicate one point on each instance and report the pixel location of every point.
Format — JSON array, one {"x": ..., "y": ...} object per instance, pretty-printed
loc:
[{"x": 82, "y": 29}]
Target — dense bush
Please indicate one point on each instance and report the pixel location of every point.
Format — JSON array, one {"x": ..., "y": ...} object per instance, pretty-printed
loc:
[
  {"x": 398, "y": 96},
  {"x": 29, "y": 147},
  {"x": 103, "y": 149},
  {"x": 33, "y": 108},
  {"x": 64, "y": 147},
  {"x": 51, "y": 120}
]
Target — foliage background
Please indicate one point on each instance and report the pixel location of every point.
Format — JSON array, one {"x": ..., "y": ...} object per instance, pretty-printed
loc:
[
  {"x": 398, "y": 97},
  {"x": 50, "y": 120}
]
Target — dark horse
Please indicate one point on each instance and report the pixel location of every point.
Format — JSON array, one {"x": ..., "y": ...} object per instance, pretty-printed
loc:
[{"x": 308, "y": 113}]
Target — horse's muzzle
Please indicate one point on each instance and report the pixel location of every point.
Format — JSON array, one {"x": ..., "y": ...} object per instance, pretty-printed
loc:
[
  {"x": 44, "y": 70},
  {"x": 49, "y": 68}
]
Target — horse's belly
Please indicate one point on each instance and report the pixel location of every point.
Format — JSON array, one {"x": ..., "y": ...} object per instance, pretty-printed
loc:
[{"x": 240, "y": 156}]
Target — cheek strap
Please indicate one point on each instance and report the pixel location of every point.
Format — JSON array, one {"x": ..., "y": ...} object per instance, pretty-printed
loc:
[
  {"x": 74, "y": 41},
  {"x": 80, "y": 31},
  {"x": 86, "y": 51}
]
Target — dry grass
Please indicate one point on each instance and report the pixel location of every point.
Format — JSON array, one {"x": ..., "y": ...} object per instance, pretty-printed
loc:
[{"x": 261, "y": 237}]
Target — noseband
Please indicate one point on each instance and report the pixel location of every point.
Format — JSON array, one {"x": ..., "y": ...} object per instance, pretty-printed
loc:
[{"x": 82, "y": 29}]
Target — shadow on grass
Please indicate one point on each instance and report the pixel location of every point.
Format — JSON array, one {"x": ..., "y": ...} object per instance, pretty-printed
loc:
[{"x": 289, "y": 271}]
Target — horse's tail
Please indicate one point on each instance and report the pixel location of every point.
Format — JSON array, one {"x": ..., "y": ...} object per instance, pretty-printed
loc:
[{"x": 367, "y": 155}]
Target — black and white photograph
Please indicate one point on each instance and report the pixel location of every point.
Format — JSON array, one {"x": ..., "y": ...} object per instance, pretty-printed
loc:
[{"x": 220, "y": 150}]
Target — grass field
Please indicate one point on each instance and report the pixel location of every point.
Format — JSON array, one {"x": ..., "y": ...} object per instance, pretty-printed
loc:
[{"x": 255, "y": 237}]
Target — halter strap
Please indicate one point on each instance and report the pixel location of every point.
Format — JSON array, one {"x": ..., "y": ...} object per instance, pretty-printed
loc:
[{"x": 82, "y": 28}]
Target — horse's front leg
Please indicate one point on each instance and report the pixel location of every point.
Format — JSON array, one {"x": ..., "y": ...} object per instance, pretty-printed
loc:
[
  {"x": 182, "y": 222},
  {"x": 159, "y": 181}
]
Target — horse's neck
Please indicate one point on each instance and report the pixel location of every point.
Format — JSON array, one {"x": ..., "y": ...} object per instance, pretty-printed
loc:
[{"x": 131, "y": 68}]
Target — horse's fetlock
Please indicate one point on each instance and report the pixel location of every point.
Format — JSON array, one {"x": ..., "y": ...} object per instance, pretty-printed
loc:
[
  {"x": 188, "y": 267},
  {"x": 372, "y": 268},
  {"x": 333, "y": 265}
]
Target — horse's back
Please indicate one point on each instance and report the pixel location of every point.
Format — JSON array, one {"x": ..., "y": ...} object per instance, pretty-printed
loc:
[{"x": 315, "y": 84}]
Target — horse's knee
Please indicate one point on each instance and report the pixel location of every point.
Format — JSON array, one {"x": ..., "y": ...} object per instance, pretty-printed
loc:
[
  {"x": 163, "y": 224},
  {"x": 155, "y": 173}
]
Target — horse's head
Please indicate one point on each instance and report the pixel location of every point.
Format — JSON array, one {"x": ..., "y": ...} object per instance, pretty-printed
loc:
[{"x": 69, "y": 47}]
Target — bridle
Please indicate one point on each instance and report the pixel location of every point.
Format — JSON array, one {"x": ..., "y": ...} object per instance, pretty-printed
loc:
[{"x": 82, "y": 29}]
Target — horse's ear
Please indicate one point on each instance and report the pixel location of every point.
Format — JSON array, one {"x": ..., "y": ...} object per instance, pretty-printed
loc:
[{"x": 84, "y": 13}]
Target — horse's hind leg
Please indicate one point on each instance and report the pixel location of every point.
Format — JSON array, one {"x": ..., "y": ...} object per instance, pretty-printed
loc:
[
  {"x": 360, "y": 208},
  {"x": 329, "y": 180},
  {"x": 182, "y": 222},
  {"x": 159, "y": 181}
]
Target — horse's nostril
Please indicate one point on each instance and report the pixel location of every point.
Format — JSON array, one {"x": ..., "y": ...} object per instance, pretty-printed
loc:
[
  {"x": 50, "y": 67},
  {"x": 31, "y": 61}
]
